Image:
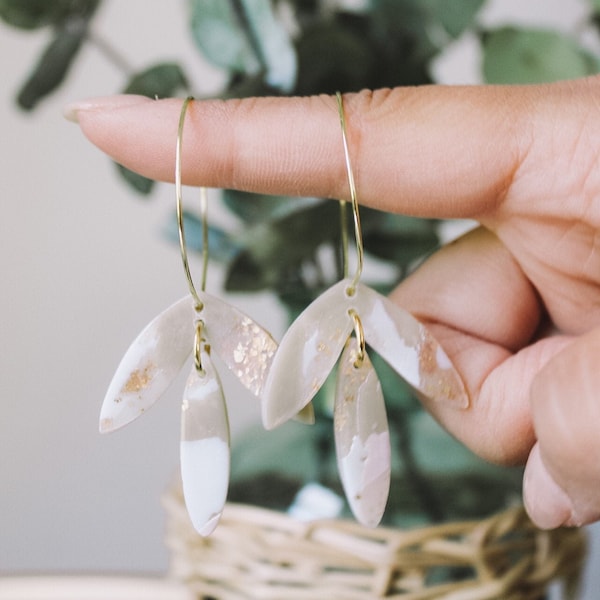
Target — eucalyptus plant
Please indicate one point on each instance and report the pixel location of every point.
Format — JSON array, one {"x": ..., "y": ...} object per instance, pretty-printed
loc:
[{"x": 301, "y": 47}]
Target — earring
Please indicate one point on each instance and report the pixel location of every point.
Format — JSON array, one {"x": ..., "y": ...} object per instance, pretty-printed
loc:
[
  {"x": 198, "y": 323},
  {"x": 311, "y": 347}
]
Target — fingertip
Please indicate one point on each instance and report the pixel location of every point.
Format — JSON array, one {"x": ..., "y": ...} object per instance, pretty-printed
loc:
[
  {"x": 546, "y": 502},
  {"x": 73, "y": 110}
]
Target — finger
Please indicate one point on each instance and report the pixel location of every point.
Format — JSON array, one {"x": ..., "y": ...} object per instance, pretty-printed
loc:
[
  {"x": 432, "y": 151},
  {"x": 476, "y": 300},
  {"x": 562, "y": 479}
]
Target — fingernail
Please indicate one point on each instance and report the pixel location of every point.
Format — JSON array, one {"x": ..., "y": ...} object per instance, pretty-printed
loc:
[
  {"x": 546, "y": 502},
  {"x": 72, "y": 110}
]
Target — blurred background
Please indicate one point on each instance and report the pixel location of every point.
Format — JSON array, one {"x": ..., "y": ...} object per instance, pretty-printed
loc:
[{"x": 85, "y": 265}]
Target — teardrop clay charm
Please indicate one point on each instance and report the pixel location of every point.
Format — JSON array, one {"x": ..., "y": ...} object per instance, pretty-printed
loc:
[
  {"x": 150, "y": 364},
  {"x": 362, "y": 437},
  {"x": 204, "y": 452}
]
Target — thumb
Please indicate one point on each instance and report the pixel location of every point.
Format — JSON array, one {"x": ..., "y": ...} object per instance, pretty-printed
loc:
[
  {"x": 562, "y": 478},
  {"x": 429, "y": 151}
]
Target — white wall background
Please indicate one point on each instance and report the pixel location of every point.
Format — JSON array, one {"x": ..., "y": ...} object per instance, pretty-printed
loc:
[{"x": 84, "y": 267}]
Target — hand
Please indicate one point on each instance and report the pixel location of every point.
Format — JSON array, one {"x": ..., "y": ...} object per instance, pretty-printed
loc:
[{"x": 515, "y": 303}]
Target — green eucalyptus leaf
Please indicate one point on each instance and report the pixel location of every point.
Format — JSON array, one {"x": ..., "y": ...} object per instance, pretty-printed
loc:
[
  {"x": 244, "y": 274},
  {"x": 437, "y": 451},
  {"x": 273, "y": 44},
  {"x": 289, "y": 449},
  {"x": 138, "y": 182},
  {"x": 399, "y": 397},
  {"x": 218, "y": 33},
  {"x": 243, "y": 36},
  {"x": 400, "y": 36},
  {"x": 453, "y": 15},
  {"x": 33, "y": 14},
  {"x": 160, "y": 81},
  {"x": 256, "y": 208},
  {"x": 52, "y": 67},
  {"x": 400, "y": 239},
  {"x": 404, "y": 28},
  {"x": 271, "y": 249},
  {"x": 245, "y": 86},
  {"x": 514, "y": 55},
  {"x": 221, "y": 247},
  {"x": 331, "y": 58}
]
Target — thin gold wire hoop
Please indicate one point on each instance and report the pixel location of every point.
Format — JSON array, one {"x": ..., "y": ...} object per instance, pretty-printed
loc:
[
  {"x": 203, "y": 210},
  {"x": 199, "y": 305},
  {"x": 360, "y": 338},
  {"x": 354, "y": 203},
  {"x": 198, "y": 339}
]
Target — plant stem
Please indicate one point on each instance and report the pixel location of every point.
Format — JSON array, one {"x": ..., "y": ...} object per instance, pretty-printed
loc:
[{"x": 240, "y": 11}]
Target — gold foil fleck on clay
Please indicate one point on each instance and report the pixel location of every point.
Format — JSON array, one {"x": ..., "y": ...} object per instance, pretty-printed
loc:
[{"x": 138, "y": 380}]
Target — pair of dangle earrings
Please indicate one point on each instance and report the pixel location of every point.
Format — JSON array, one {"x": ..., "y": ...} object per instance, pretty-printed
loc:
[{"x": 342, "y": 321}]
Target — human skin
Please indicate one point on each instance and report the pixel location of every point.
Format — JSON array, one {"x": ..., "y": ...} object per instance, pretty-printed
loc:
[{"x": 515, "y": 302}]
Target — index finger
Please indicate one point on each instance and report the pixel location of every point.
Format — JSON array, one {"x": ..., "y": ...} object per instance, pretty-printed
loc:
[{"x": 428, "y": 151}]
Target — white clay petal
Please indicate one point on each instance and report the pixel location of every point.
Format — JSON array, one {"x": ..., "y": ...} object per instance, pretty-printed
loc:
[
  {"x": 244, "y": 346},
  {"x": 306, "y": 355},
  {"x": 150, "y": 364},
  {"x": 362, "y": 438},
  {"x": 204, "y": 451},
  {"x": 410, "y": 349}
]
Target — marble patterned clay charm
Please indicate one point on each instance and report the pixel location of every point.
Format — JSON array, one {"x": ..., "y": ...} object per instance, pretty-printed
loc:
[
  {"x": 199, "y": 324},
  {"x": 362, "y": 438},
  {"x": 204, "y": 452},
  {"x": 312, "y": 345},
  {"x": 152, "y": 362},
  {"x": 157, "y": 355},
  {"x": 149, "y": 366}
]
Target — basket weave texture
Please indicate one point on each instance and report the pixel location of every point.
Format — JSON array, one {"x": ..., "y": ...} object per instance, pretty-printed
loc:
[{"x": 257, "y": 553}]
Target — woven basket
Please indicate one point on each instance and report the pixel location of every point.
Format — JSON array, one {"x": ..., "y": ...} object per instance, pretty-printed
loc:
[{"x": 257, "y": 553}]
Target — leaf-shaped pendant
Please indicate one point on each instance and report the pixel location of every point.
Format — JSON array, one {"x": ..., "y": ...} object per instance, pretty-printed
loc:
[
  {"x": 205, "y": 453},
  {"x": 244, "y": 346},
  {"x": 150, "y": 364},
  {"x": 362, "y": 438},
  {"x": 156, "y": 356},
  {"x": 306, "y": 355},
  {"x": 314, "y": 341},
  {"x": 409, "y": 348}
]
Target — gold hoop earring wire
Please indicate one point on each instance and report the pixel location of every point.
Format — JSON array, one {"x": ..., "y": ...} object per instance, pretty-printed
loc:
[
  {"x": 182, "y": 243},
  {"x": 358, "y": 328},
  {"x": 354, "y": 203}
]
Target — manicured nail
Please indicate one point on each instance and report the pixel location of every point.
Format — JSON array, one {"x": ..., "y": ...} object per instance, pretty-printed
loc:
[
  {"x": 72, "y": 110},
  {"x": 546, "y": 502}
]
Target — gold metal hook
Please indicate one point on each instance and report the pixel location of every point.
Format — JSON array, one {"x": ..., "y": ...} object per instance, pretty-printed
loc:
[
  {"x": 203, "y": 209},
  {"x": 360, "y": 338},
  {"x": 198, "y": 339},
  {"x": 354, "y": 202}
]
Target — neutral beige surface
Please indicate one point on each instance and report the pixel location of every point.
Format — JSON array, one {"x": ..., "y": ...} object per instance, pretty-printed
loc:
[{"x": 90, "y": 588}]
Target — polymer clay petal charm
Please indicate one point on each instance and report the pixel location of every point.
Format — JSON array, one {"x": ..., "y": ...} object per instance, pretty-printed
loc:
[
  {"x": 311, "y": 347},
  {"x": 204, "y": 451},
  {"x": 362, "y": 438},
  {"x": 306, "y": 355},
  {"x": 157, "y": 355},
  {"x": 148, "y": 367},
  {"x": 409, "y": 348},
  {"x": 244, "y": 346}
]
